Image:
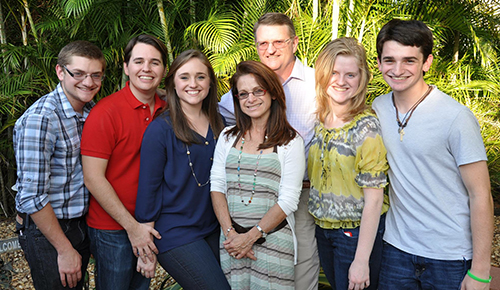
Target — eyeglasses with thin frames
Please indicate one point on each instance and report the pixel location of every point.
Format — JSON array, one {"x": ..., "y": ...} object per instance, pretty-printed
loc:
[
  {"x": 79, "y": 76},
  {"x": 256, "y": 93},
  {"x": 276, "y": 44}
]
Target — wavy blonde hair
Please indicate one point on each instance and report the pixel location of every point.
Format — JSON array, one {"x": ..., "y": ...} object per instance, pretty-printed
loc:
[{"x": 325, "y": 64}]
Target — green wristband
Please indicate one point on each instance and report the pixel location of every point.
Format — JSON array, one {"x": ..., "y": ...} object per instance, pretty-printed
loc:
[{"x": 477, "y": 278}]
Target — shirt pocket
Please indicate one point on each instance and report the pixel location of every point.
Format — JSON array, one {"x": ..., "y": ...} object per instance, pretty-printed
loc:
[{"x": 66, "y": 154}]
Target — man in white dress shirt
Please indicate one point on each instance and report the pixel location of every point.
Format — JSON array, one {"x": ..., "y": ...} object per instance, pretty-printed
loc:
[{"x": 276, "y": 44}]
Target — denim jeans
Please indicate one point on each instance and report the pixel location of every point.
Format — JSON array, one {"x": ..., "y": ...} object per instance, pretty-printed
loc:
[
  {"x": 337, "y": 249},
  {"x": 196, "y": 265},
  {"x": 42, "y": 256},
  {"x": 115, "y": 263},
  {"x": 401, "y": 270}
]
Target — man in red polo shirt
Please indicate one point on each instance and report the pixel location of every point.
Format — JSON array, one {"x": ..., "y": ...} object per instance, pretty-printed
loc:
[{"x": 111, "y": 142}]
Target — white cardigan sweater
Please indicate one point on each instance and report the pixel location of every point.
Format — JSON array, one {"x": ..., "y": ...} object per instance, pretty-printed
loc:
[{"x": 293, "y": 166}]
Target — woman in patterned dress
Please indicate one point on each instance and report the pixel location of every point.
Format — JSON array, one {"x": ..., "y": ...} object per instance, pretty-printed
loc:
[
  {"x": 346, "y": 166},
  {"x": 256, "y": 180}
]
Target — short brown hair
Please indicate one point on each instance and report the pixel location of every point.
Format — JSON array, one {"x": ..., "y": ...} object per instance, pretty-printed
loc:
[
  {"x": 146, "y": 39},
  {"x": 80, "y": 48},
  {"x": 325, "y": 63},
  {"x": 274, "y": 19},
  {"x": 278, "y": 130}
]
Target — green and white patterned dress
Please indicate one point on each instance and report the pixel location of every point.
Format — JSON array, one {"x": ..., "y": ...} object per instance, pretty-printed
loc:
[{"x": 274, "y": 267}]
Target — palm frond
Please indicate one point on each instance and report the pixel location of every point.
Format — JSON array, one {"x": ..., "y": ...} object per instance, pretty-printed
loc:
[{"x": 218, "y": 33}]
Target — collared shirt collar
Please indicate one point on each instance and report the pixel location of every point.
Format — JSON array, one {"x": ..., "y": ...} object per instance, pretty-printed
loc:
[
  {"x": 297, "y": 72},
  {"x": 66, "y": 107},
  {"x": 135, "y": 103}
]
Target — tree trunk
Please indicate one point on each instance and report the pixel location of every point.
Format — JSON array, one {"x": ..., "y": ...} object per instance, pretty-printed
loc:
[
  {"x": 24, "y": 34},
  {"x": 361, "y": 31},
  {"x": 456, "y": 46},
  {"x": 349, "y": 18},
  {"x": 335, "y": 18},
  {"x": 192, "y": 11},
  {"x": 32, "y": 24},
  {"x": 315, "y": 9},
  {"x": 11, "y": 171},
  {"x": 3, "y": 35},
  {"x": 164, "y": 25}
]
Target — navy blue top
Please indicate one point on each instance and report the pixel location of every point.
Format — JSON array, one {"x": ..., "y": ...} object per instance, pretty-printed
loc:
[{"x": 168, "y": 193}]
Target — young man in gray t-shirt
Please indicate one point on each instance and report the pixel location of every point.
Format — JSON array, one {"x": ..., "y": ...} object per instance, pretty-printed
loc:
[{"x": 439, "y": 227}]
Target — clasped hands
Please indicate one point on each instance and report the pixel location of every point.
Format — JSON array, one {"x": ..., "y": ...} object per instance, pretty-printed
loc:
[
  {"x": 147, "y": 269},
  {"x": 240, "y": 245}
]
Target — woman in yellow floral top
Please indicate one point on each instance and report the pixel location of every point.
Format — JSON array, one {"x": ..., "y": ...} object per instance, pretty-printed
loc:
[{"x": 346, "y": 167}]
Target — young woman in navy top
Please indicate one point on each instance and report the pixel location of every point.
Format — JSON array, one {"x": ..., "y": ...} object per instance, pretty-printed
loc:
[{"x": 174, "y": 190}]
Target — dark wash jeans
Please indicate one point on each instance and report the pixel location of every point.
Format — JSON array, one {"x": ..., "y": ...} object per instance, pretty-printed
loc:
[
  {"x": 401, "y": 271},
  {"x": 115, "y": 262},
  {"x": 336, "y": 250},
  {"x": 42, "y": 256},
  {"x": 196, "y": 266}
]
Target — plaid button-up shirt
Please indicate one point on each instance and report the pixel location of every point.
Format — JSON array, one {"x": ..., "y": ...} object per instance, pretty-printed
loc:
[{"x": 47, "y": 149}]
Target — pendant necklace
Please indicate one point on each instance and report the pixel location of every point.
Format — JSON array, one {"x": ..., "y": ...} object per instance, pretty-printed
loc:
[
  {"x": 254, "y": 173},
  {"x": 402, "y": 124},
  {"x": 192, "y": 169}
]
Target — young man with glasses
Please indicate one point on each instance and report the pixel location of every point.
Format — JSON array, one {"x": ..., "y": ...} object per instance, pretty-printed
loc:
[
  {"x": 276, "y": 45},
  {"x": 52, "y": 199},
  {"x": 111, "y": 144}
]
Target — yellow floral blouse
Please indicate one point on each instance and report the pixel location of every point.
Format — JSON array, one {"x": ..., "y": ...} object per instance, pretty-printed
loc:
[{"x": 343, "y": 161}]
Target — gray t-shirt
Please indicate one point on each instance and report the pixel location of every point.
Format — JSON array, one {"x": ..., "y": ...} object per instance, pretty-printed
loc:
[{"x": 429, "y": 214}]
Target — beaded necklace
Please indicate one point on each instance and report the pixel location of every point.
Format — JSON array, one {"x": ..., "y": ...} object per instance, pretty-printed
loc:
[
  {"x": 254, "y": 173},
  {"x": 191, "y": 166}
]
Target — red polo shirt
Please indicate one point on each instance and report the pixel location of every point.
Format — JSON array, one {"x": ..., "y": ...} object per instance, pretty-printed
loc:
[{"x": 113, "y": 131}]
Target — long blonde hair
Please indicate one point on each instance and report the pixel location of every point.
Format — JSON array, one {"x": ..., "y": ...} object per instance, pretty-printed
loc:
[{"x": 325, "y": 63}]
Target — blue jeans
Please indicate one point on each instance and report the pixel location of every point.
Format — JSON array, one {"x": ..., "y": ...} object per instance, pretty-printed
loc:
[
  {"x": 196, "y": 265},
  {"x": 115, "y": 263},
  {"x": 336, "y": 250},
  {"x": 401, "y": 270},
  {"x": 42, "y": 256}
]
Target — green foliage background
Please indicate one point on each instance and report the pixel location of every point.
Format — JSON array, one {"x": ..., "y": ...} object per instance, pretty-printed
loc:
[{"x": 33, "y": 31}]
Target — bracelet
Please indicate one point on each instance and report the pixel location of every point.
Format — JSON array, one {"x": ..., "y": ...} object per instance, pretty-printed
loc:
[
  {"x": 228, "y": 230},
  {"x": 477, "y": 278}
]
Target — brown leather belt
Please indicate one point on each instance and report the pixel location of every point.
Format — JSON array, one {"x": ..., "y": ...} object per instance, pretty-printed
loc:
[{"x": 306, "y": 184}]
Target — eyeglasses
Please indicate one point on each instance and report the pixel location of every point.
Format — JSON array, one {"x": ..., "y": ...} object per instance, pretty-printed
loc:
[
  {"x": 79, "y": 76},
  {"x": 276, "y": 44},
  {"x": 256, "y": 93}
]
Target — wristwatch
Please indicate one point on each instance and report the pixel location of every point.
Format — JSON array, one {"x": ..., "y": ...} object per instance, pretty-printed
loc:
[{"x": 264, "y": 235}]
